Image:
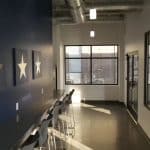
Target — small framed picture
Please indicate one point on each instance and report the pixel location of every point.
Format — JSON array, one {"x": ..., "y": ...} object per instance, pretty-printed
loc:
[
  {"x": 36, "y": 64},
  {"x": 20, "y": 66}
]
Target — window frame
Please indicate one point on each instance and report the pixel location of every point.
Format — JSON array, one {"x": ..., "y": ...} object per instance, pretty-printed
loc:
[
  {"x": 92, "y": 58},
  {"x": 146, "y": 66}
]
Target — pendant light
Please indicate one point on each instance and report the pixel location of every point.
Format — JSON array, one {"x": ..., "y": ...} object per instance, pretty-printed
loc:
[
  {"x": 92, "y": 33},
  {"x": 93, "y": 14}
]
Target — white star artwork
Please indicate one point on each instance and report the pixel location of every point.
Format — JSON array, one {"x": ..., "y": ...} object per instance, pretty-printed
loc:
[
  {"x": 22, "y": 66},
  {"x": 38, "y": 64}
]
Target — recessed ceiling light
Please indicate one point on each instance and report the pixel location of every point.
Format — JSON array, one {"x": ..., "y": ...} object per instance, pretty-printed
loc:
[
  {"x": 93, "y": 14},
  {"x": 92, "y": 33}
]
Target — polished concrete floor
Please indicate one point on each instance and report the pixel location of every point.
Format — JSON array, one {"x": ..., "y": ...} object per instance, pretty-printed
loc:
[{"x": 102, "y": 127}]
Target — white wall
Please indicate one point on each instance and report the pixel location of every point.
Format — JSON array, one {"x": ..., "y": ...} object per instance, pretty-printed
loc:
[
  {"x": 136, "y": 25},
  {"x": 106, "y": 33},
  {"x": 113, "y": 33}
]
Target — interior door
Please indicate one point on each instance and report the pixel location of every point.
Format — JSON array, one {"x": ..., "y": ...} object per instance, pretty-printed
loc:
[{"x": 132, "y": 84}]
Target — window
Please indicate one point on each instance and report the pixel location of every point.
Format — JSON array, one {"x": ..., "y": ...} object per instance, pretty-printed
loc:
[
  {"x": 78, "y": 71},
  {"x": 147, "y": 70},
  {"x": 104, "y": 64},
  {"x": 91, "y": 65}
]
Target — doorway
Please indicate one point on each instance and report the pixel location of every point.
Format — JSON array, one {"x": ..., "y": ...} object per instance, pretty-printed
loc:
[{"x": 132, "y": 83}]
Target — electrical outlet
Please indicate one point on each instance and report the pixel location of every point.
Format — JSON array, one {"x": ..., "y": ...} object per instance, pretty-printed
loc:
[
  {"x": 17, "y": 106},
  {"x": 17, "y": 118}
]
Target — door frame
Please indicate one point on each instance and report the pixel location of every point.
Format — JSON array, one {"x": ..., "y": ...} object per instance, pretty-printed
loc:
[{"x": 129, "y": 107}]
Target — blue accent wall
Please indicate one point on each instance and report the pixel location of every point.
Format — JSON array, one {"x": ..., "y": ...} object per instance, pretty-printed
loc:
[{"x": 27, "y": 25}]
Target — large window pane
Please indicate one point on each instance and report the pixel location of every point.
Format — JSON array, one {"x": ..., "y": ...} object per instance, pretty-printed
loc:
[
  {"x": 104, "y": 51},
  {"x": 147, "y": 70},
  {"x": 77, "y": 71},
  {"x": 77, "y": 51},
  {"x": 91, "y": 64},
  {"x": 104, "y": 71}
]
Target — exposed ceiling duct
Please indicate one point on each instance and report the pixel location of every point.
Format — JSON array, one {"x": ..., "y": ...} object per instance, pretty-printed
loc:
[{"x": 77, "y": 10}]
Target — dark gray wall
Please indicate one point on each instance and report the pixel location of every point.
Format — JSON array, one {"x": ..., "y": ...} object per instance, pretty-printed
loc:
[{"x": 27, "y": 25}]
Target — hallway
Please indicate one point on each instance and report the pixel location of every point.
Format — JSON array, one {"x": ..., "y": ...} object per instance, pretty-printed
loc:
[
  {"x": 57, "y": 52},
  {"x": 105, "y": 127}
]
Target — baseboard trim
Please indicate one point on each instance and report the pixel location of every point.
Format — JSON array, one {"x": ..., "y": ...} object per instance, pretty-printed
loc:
[
  {"x": 140, "y": 129},
  {"x": 103, "y": 102},
  {"x": 143, "y": 133}
]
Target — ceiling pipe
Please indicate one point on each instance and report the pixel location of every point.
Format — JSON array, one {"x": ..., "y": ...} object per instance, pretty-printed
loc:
[
  {"x": 89, "y": 22},
  {"x": 77, "y": 10},
  {"x": 117, "y": 6},
  {"x": 103, "y": 19}
]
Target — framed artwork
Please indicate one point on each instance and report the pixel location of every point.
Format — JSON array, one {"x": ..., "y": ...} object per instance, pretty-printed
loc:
[
  {"x": 36, "y": 64},
  {"x": 20, "y": 66}
]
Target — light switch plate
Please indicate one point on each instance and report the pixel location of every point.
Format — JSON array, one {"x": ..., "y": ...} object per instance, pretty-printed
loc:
[{"x": 17, "y": 106}]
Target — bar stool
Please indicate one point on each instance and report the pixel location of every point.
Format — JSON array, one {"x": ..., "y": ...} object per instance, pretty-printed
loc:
[
  {"x": 54, "y": 113},
  {"x": 43, "y": 133},
  {"x": 43, "y": 140},
  {"x": 31, "y": 141},
  {"x": 70, "y": 96},
  {"x": 67, "y": 115}
]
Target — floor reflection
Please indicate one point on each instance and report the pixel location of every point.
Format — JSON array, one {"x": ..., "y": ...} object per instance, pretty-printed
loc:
[
  {"x": 98, "y": 109},
  {"x": 68, "y": 140},
  {"x": 95, "y": 127}
]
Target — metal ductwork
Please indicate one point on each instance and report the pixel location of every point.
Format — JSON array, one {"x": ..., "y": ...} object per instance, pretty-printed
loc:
[
  {"x": 118, "y": 6},
  {"x": 77, "y": 10}
]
